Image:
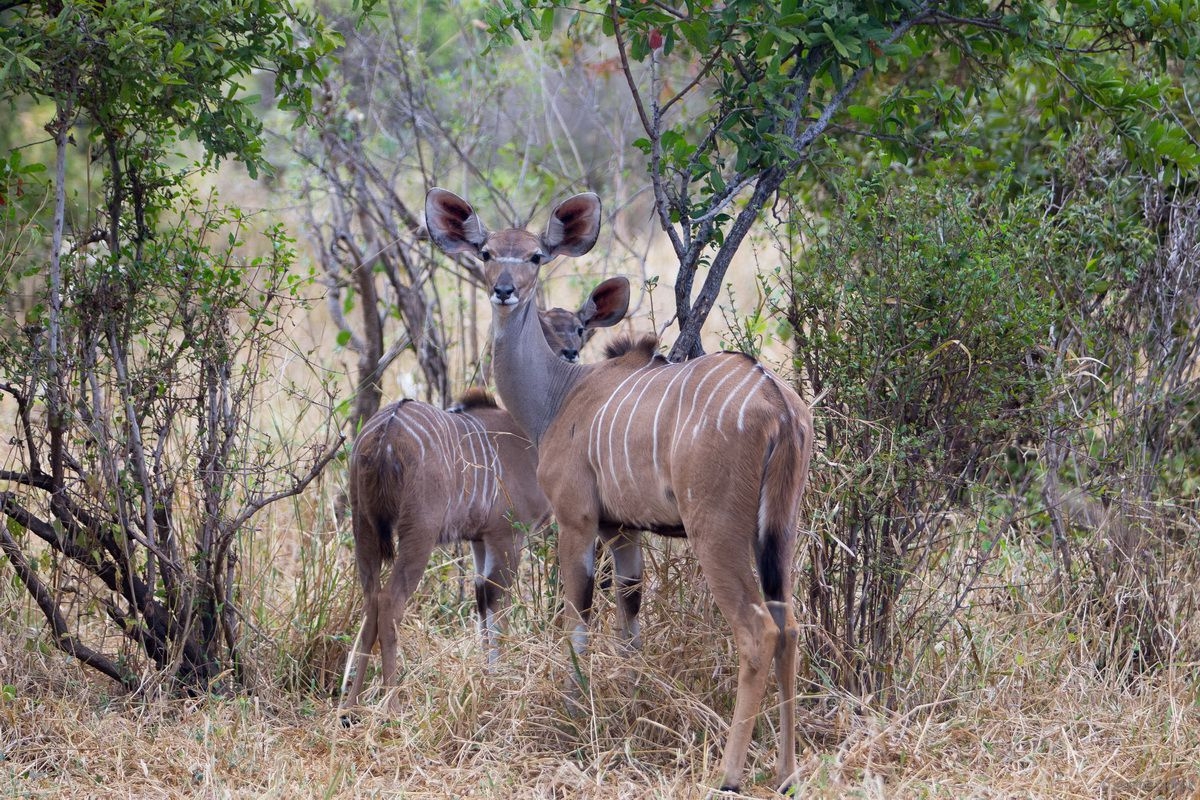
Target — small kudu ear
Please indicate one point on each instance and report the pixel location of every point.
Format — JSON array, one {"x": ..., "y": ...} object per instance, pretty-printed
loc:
[
  {"x": 452, "y": 223},
  {"x": 607, "y": 304},
  {"x": 574, "y": 225}
]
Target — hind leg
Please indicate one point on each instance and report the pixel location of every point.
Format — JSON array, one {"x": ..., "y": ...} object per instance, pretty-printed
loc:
[
  {"x": 774, "y": 553},
  {"x": 786, "y": 656},
  {"x": 626, "y": 546},
  {"x": 356, "y": 660},
  {"x": 497, "y": 558},
  {"x": 412, "y": 558},
  {"x": 369, "y": 561},
  {"x": 730, "y": 575}
]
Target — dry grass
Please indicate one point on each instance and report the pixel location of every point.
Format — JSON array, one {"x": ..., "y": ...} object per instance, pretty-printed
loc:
[{"x": 1011, "y": 706}]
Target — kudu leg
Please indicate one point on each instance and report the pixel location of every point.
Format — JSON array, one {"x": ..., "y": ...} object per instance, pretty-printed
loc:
[
  {"x": 368, "y": 562},
  {"x": 786, "y": 655},
  {"x": 755, "y": 633},
  {"x": 626, "y": 548},
  {"x": 356, "y": 661},
  {"x": 577, "y": 571},
  {"x": 497, "y": 559},
  {"x": 406, "y": 574}
]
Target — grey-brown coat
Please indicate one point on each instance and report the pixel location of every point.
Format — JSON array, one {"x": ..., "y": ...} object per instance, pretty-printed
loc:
[{"x": 717, "y": 449}]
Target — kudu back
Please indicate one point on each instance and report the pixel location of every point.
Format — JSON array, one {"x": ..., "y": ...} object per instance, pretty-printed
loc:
[
  {"x": 716, "y": 449},
  {"x": 421, "y": 476}
]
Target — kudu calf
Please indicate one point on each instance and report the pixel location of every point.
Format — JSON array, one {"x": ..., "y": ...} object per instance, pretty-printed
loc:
[
  {"x": 716, "y": 449},
  {"x": 420, "y": 476}
]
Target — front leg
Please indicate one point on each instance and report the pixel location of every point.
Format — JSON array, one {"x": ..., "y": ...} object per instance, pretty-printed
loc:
[
  {"x": 626, "y": 546},
  {"x": 577, "y": 571}
]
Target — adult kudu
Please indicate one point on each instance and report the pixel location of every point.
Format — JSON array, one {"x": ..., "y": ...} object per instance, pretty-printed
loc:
[
  {"x": 420, "y": 476},
  {"x": 716, "y": 448}
]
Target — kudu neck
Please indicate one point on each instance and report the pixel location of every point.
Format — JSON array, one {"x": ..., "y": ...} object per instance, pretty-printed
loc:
[{"x": 531, "y": 379}]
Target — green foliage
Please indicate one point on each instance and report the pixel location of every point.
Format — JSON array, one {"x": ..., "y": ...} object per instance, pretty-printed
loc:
[
  {"x": 919, "y": 308},
  {"x": 146, "y": 72},
  {"x": 767, "y": 65},
  {"x": 737, "y": 96},
  {"x": 919, "y": 318},
  {"x": 138, "y": 358}
]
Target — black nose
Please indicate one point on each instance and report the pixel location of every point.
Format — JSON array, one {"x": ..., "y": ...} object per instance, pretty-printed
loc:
[
  {"x": 503, "y": 291},
  {"x": 569, "y": 354}
]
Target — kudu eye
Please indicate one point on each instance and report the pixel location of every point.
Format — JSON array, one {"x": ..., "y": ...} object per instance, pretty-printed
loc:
[
  {"x": 536, "y": 259},
  {"x": 485, "y": 256}
]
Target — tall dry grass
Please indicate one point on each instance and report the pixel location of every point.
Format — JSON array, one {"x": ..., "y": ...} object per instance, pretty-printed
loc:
[{"x": 1011, "y": 702}]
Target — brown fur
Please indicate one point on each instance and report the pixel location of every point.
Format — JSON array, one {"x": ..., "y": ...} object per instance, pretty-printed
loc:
[
  {"x": 419, "y": 477},
  {"x": 645, "y": 346},
  {"x": 473, "y": 398},
  {"x": 717, "y": 447}
]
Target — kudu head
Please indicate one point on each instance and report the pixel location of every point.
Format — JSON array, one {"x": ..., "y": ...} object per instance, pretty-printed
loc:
[
  {"x": 565, "y": 332},
  {"x": 530, "y": 375},
  {"x": 513, "y": 257}
]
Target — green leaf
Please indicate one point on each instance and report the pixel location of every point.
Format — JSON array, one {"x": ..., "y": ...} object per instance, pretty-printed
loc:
[
  {"x": 696, "y": 32},
  {"x": 864, "y": 114}
]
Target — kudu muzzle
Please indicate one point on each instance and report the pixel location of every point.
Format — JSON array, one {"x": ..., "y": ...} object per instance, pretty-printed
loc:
[{"x": 504, "y": 293}]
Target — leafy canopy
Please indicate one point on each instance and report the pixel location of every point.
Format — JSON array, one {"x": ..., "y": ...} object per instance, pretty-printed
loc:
[{"x": 149, "y": 71}]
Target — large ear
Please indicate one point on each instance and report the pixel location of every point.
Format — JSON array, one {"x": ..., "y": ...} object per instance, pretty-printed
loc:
[
  {"x": 452, "y": 222},
  {"x": 574, "y": 225},
  {"x": 607, "y": 304}
]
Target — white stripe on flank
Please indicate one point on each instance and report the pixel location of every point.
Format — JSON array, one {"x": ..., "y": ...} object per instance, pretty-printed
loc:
[
  {"x": 487, "y": 466},
  {"x": 741, "y": 419},
  {"x": 472, "y": 462},
  {"x": 713, "y": 369},
  {"x": 732, "y": 394},
  {"x": 413, "y": 434},
  {"x": 708, "y": 401},
  {"x": 479, "y": 467},
  {"x": 679, "y": 407},
  {"x": 598, "y": 425},
  {"x": 650, "y": 376},
  {"x": 450, "y": 446},
  {"x": 489, "y": 463},
  {"x": 679, "y": 373},
  {"x": 610, "y": 425},
  {"x": 495, "y": 471},
  {"x": 429, "y": 427}
]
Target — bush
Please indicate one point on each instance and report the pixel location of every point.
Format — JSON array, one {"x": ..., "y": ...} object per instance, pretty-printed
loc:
[{"x": 918, "y": 319}]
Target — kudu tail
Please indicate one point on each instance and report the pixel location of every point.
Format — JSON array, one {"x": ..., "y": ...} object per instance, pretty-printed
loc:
[
  {"x": 380, "y": 477},
  {"x": 785, "y": 472}
]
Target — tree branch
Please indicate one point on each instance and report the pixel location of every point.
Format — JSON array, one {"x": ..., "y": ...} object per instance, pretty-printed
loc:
[{"x": 61, "y": 634}]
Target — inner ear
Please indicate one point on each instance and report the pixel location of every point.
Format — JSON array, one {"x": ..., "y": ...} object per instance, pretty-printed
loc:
[
  {"x": 452, "y": 223},
  {"x": 607, "y": 304},
  {"x": 574, "y": 226}
]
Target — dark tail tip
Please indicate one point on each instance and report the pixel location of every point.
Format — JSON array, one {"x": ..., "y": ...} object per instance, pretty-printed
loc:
[
  {"x": 387, "y": 547},
  {"x": 770, "y": 553}
]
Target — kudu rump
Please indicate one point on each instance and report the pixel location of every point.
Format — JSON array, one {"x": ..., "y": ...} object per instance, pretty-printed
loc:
[
  {"x": 420, "y": 476},
  {"x": 716, "y": 449}
]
